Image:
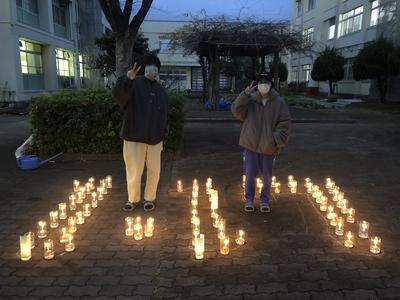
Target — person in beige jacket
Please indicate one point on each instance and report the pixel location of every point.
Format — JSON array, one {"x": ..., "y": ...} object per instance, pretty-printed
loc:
[{"x": 265, "y": 132}]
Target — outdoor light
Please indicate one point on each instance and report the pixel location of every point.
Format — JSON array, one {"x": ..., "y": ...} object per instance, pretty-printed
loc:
[
  {"x": 224, "y": 246},
  {"x": 25, "y": 247},
  {"x": 240, "y": 237},
  {"x": 48, "y": 249},
  {"x": 375, "y": 245},
  {"x": 363, "y": 229},
  {"x": 42, "y": 229},
  {"x": 62, "y": 209},
  {"x": 349, "y": 241},
  {"x": 53, "y": 218}
]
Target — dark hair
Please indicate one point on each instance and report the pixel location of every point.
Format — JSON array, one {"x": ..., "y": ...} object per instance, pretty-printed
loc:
[
  {"x": 265, "y": 76},
  {"x": 149, "y": 59}
]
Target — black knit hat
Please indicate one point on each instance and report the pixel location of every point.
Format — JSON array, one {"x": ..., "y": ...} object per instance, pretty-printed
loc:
[
  {"x": 265, "y": 76},
  {"x": 148, "y": 59}
]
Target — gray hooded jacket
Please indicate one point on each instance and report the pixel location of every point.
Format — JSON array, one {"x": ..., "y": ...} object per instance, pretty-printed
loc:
[{"x": 265, "y": 127}]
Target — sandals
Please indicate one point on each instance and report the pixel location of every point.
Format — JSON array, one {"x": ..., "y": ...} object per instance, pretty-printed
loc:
[
  {"x": 264, "y": 208},
  {"x": 129, "y": 206},
  {"x": 249, "y": 207},
  {"x": 148, "y": 206}
]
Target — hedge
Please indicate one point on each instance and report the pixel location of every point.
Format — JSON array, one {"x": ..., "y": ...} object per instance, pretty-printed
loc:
[{"x": 88, "y": 121}]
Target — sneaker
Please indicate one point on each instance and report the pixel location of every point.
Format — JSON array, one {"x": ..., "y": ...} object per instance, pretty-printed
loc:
[
  {"x": 249, "y": 207},
  {"x": 264, "y": 208},
  {"x": 148, "y": 206},
  {"x": 129, "y": 206}
]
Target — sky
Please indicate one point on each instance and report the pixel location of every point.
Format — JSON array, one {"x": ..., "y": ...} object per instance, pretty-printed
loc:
[{"x": 185, "y": 9}]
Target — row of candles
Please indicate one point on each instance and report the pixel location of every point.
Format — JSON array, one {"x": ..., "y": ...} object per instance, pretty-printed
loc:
[
  {"x": 77, "y": 217},
  {"x": 134, "y": 227},
  {"x": 198, "y": 240}
]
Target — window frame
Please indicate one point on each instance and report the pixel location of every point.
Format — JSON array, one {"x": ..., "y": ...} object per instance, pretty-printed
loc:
[
  {"x": 346, "y": 20},
  {"x": 36, "y": 57}
]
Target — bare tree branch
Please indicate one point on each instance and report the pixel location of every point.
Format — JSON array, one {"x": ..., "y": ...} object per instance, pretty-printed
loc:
[
  {"x": 128, "y": 10},
  {"x": 137, "y": 20}
]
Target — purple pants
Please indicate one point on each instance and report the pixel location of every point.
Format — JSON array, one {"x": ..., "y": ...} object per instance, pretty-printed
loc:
[{"x": 254, "y": 163}]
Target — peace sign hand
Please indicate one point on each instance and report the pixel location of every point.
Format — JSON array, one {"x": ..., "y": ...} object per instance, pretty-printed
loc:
[
  {"x": 250, "y": 89},
  {"x": 131, "y": 74}
]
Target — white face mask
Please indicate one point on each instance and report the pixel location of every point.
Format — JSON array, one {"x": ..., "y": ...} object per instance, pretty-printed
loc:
[
  {"x": 264, "y": 88},
  {"x": 151, "y": 70}
]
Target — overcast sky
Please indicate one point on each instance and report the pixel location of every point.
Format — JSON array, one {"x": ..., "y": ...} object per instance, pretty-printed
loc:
[{"x": 260, "y": 9}]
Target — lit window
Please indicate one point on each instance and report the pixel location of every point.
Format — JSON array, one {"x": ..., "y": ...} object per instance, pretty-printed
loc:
[
  {"x": 166, "y": 46},
  {"x": 382, "y": 12},
  {"x": 331, "y": 28},
  {"x": 294, "y": 74},
  {"x": 308, "y": 36},
  {"x": 306, "y": 70},
  {"x": 31, "y": 65},
  {"x": 65, "y": 68},
  {"x": 350, "y": 21}
]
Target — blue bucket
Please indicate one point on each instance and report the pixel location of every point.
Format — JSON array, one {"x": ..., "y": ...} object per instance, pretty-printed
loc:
[{"x": 30, "y": 162}]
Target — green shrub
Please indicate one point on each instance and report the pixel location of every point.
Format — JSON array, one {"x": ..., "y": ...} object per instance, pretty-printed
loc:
[{"x": 88, "y": 121}]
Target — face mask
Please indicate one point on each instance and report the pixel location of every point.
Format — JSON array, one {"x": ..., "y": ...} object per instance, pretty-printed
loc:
[
  {"x": 151, "y": 70},
  {"x": 264, "y": 87}
]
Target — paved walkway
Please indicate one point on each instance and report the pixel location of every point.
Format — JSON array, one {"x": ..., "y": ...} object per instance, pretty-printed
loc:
[{"x": 290, "y": 254}]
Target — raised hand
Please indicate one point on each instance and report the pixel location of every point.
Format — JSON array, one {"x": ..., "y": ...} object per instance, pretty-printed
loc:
[
  {"x": 131, "y": 74},
  {"x": 250, "y": 88}
]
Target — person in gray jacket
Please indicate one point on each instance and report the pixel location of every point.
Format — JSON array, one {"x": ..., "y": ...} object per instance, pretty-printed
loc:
[
  {"x": 145, "y": 123},
  {"x": 265, "y": 132}
]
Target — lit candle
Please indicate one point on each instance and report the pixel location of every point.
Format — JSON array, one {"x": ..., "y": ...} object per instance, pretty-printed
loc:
[
  {"x": 213, "y": 213},
  {"x": 328, "y": 183},
  {"x": 363, "y": 229},
  {"x": 48, "y": 249},
  {"x": 91, "y": 181},
  {"x": 80, "y": 219},
  {"x": 339, "y": 203},
  {"x": 240, "y": 237},
  {"x": 53, "y": 218},
  {"x": 194, "y": 202},
  {"x": 138, "y": 220},
  {"x": 64, "y": 235},
  {"x": 221, "y": 228},
  {"x": 62, "y": 209},
  {"x": 76, "y": 185},
  {"x": 129, "y": 226},
  {"x": 194, "y": 237},
  {"x": 148, "y": 228},
  {"x": 196, "y": 226},
  {"x": 25, "y": 247},
  {"x": 375, "y": 245},
  {"x": 72, "y": 202},
  {"x": 349, "y": 241},
  {"x": 307, "y": 181},
  {"x": 88, "y": 187},
  {"x": 339, "y": 230},
  {"x": 293, "y": 187},
  {"x": 80, "y": 197},
  {"x": 70, "y": 244},
  {"x": 100, "y": 191},
  {"x": 277, "y": 188},
  {"x": 86, "y": 210},
  {"x": 330, "y": 209},
  {"x": 32, "y": 237},
  {"x": 335, "y": 195},
  {"x": 195, "y": 182},
  {"x": 331, "y": 188},
  {"x": 195, "y": 195},
  {"x": 194, "y": 214},
  {"x": 260, "y": 188},
  {"x": 224, "y": 246},
  {"x": 273, "y": 181},
  {"x": 216, "y": 220},
  {"x": 243, "y": 181},
  {"x": 259, "y": 183},
  {"x": 350, "y": 215},
  {"x": 334, "y": 219},
  {"x": 94, "y": 200},
  {"x": 72, "y": 224},
  {"x": 309, "y": 186},
  {"x": 138, "y": 232},
  {"x": 179, "y": 186},
  {"x": 109, "y": 181},
  {"x": 214, "y": 200},
  {"x": 208, "y": 185},
  {"x": 324, "y": 203},
  {"x": 290, "y": 178},
  {"x": 42, "y": 229},
  {"x": 199, "y": 246},
  {"x": 345, "y": 206},
  {"x": 103, "y": 185}
]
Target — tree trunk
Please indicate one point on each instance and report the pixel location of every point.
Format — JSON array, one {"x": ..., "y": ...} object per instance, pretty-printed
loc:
[
  {"x": 331, "y": 92},
  {"x": 213, "y": 79},
  {"x": 382, "y": 86},
  {"x": 204, "y": 76},
  {"x": 276, "y": 69},
  {"x": 123, "y": 53}
]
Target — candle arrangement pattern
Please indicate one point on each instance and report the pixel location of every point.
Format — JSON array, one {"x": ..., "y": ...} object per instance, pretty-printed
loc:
[{"x": 65, "y": 219}]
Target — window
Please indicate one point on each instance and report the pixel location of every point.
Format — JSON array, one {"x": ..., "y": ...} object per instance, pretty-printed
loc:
[
  {"x": 28, "y": 12},
  {"x": 294, "y": 75},
  {"x": 60, "y": 13},
  {"x": 311, "y": 4},
  {"x": 175, "y": 79},
  {"x": 166, "y": 46},
  {"x": 31, "y": 65},
  {"x": 83, "y": 70},
  {"x": 65, "y": 68},
  {"x": 348, "y": 69},
  {"x": 331, "y": 28},
  {"x": 299, "y": 8},
  {"x": 382, "y": 12},
  {"x": 306, "y": 69},
  {"x": 308, "y": 36},
  {"x": 350, "y": 21}
]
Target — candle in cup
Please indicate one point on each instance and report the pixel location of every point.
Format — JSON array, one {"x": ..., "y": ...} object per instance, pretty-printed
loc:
[
  {"x": 76, "y": 185},
  {"x": 260, "y": 188},
  {"x": 224, "y": 246},
  {"x": 194, "y": 202},
  {"x": 375, "y": 245},
  {"x": 94, "y": 200},
  {"x": 199, "y": 246},
  {"x": 243, "y": 181},
  {"x": 86, "y": 210},
  {"x": 339, "y": 230},
  {"x": 216, "y": 220},
  {"x": 129, "y": 226},
  {"x": 72, "y": 224},
  {"x": 194, "y": 236},
  {"x": 293, "y": 187},
  {"x": 196, "y": 226},
  {"x": 109, "y": 181},
  {"x": 70, "y": 244},
  {"x": 72, "y": 202},
  {"x": 31, "y": 235},
  {"x": 273, "y": 181},
  {"x": 307, "y": 181},
  {"x": 363, "y": 229},
  {"x": 100, "y": 196},
  {"x": 277, "y": 188},
  {"x": 80, "y": 219},
  {"x": 62, "y": 210},
  {"x": 80, "y": 196},
  {"x": 240, "y": 237},
  {"x": 138, "y": 232},
  {"x": 148, "y": 229},
  {"x": 91, "y": 181},
  {"x": 179, "y": 186},
  {"x": 334, "y": 218},
  {"x": 330, "y": 209},
  {"x": 350, "y": 215},
  {"x": 195, "y": 195},
  {"x": 64, "y": 235},
  {"x": 345, "y": 206},
  {"x": 25, "y": 247},
  {"x": 88, "y": 187},
  {"x": 221, "y": 228},
  {"x": 349, "y": 241},
  {"x": 42, "y": 229},
  {"x": 214, "y": 200},
  {"x": 48, "y": 249},
  {"x": 324, "y": 203},
  {"x": 103, "y": 185},
  {"x": 53, "y": 215},
  {"x": 208, "y": 185}
]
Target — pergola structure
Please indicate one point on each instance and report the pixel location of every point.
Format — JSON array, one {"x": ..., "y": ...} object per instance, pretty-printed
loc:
[{"x": 212, "y": 38}]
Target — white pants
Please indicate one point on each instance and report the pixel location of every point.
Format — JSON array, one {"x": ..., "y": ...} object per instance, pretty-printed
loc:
[{"x": 135, "y": 156}]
